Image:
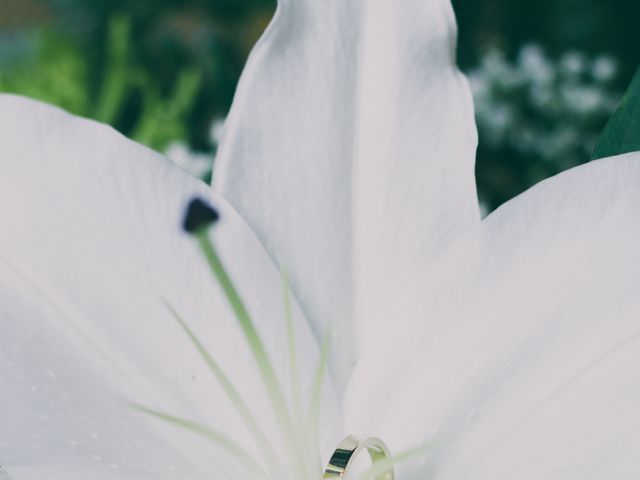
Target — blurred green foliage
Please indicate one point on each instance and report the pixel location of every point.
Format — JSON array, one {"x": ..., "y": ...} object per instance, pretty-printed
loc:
[
  {"x": 164, "y": 71},
  {"x": 590, "y": 28},
  {"x": 62, "y": 78},
  {"x": 159, "y": 71}
]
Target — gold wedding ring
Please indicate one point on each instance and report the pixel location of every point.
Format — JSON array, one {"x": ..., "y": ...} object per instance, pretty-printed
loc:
[{"x": 349, "y": 449}]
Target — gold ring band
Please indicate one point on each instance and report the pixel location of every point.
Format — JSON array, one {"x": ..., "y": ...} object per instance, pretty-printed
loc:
[{"x": 349, "y": 449}]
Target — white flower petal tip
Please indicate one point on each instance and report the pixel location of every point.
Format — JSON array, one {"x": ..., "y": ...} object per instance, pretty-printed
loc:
[{"x": 350, "y": 150}]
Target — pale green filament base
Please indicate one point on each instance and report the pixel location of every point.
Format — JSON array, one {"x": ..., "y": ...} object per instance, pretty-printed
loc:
[
  {"x": 220, "y": 439},
  {"x": 386, "y": 464},
  {"x": 258, "y": 435}
]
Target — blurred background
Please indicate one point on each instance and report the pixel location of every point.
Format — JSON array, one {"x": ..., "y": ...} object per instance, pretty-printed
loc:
[{"x": 546, "y": 74}]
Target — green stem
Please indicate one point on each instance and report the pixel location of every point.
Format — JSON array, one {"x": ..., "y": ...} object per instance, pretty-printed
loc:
[{"x": 116, "y": 79}]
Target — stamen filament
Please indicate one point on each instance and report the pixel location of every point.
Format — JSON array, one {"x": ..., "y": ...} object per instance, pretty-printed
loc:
[
  {"x": 294, "y": 371},
  {"x": 259, "y": 437},
  {"x": 313, "y": 415},
  {"x": 210, "y": 434},
  {"x": 296, "y": 390},
  {"x": 261, "y": 357}
]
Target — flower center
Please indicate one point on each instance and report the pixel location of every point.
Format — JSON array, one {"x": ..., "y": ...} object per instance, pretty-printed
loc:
[{"x": 298, "y": 425}]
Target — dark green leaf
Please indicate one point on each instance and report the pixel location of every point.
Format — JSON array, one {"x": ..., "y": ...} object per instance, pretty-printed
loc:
[{"x": 622, "y": 133}]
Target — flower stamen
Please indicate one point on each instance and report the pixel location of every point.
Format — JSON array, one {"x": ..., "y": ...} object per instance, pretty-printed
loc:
[{"x": 204, "y": 216}]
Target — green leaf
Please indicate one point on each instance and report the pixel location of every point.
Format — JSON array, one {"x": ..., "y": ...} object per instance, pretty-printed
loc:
[{"x": 622, "y": 133}]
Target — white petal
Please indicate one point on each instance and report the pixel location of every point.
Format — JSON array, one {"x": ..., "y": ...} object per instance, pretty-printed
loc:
[
  {"x": 527, "y": 366},
  {"x": 61, "y": 419},
  {"x": 352, "y": 130},
  {"x": 91, "y": 226},
  {"x": 415, "y": 188}
]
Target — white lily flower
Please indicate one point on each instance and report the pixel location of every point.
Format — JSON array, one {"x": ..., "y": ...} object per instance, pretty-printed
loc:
[{"x": 499, "y": 348}]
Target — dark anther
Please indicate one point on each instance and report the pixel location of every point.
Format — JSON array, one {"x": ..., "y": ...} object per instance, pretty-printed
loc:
[{"x": 199, "y": 215}]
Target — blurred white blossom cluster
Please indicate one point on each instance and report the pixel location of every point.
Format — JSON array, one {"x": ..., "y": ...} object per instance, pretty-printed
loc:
[
  {"x": 198, "y": 164},
  {"x": 550, "y": 110}
]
